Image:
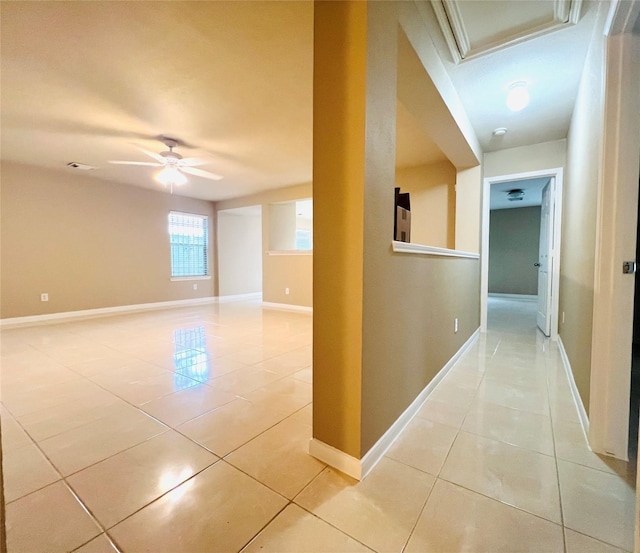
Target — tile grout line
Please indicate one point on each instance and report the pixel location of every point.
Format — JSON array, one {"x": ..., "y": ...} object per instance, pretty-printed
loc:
[
  {"x": 437, "y": 476},
  {"x": 168, "y": 427},
  {"x": 555, "y": 456},
  {"x": 289, "y": 502},
  {"x": 138, "y": 408}
]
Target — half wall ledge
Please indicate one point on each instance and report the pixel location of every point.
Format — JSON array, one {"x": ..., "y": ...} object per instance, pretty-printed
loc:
[{"x": 420, "y": 249}]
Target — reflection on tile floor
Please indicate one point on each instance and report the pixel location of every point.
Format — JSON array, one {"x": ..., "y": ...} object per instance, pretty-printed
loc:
[{"x": 186, "y": 430}]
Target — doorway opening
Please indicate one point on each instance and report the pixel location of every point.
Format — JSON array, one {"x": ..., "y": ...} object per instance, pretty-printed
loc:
[
  {"x": 514, "y": 238},
  {"x": 240, "y": 251},
  {"x": 548, "y": 181}
]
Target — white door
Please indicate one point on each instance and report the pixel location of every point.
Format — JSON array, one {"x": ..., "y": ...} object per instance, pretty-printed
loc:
[{"x": 545, "y": 259}]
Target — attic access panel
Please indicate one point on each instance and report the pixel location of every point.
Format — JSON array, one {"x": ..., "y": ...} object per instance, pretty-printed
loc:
[{"x": 476, "y": 28}]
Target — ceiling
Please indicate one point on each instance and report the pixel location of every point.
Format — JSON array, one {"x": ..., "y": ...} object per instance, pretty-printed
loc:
[
  {"x": 233, "y": 81},
  {"x": 532, "y": 189},
  {"x": 511, "y": 42},
  {"x": 82, "y": 80}
]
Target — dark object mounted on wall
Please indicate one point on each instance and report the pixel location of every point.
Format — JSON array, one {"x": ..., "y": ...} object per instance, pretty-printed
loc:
[{"x": 402, "y": 217}]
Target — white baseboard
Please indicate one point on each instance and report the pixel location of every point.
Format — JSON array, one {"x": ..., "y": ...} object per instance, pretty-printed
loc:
[
  {"x": 14, "y": 322},
  {"x": 240, "y": 297},
  {"x": 359, "y": 468},
  {"x": 582, "y": 413},
  {"x": 337, "y": 459},
  {"x": 287, "y": 307},
  {"x": 520, "y": 297}
]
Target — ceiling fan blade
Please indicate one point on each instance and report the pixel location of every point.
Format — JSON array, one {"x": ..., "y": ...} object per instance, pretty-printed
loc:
[
  {"x": 149, "y": 163},
  {"x": 155, "y": 156},
  {"x": 193, "y": 161},
  {"x": 200, "y": 173}
]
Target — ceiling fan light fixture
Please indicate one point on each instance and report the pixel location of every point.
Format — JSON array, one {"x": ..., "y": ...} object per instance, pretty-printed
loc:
[
  {"x": 518, "y": 96},
  {"x": 171, "y": 176},
  {"x": 515, "y": 195}
]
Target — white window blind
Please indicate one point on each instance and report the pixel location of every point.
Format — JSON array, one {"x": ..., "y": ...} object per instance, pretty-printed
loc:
[{"x": 189, "y": 239}]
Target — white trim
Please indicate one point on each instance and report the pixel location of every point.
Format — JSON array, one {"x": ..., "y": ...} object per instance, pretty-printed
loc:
[
  {"x": 290, "y": 252},
  {"x": 287, "y": 307},
  {"x": 558, "y": 173},
  {"x": 240, "y": 297},
  {"x": 517, "y": 297},
  {"x": 407, "y": 247},
  {"x": 359, "y": 468},
  {"x": 616, "y": 224},
  {"x": 582, "y": 413},
  {"x": 100, "y": 312},
  {"x": 450, "y": 19},
  {"x": 443, "y": 21},
  {"x": 177, "y": 279},
  {"x": 335, "y": 458}
]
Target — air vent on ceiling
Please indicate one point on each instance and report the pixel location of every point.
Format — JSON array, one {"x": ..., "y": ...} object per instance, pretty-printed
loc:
[{"x": 80, "y": 166}]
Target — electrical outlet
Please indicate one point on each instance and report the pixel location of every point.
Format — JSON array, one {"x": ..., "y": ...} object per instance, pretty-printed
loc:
[
  {"x": 455, "y": 325},
  {"x": 44, "y": 297},
  {"x": 195, "y": 286},
  {"x": 286, "y": 291}
]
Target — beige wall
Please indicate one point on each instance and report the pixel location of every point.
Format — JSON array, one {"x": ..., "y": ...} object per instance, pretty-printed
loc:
[
  {"x": 584, "y": 154},
  {"x": 239, "y": 252},
  {"x": 469, "y": 209},
  {"x": 409, "y": 302},
  {"x": 293, "y": 272},
  {"x": 383, "y": 322},
  {"x": 546, "y": 155},
  {"x": 282, "y": 226},
  {"x": 514, "y": 241},
  {"x": 433, "y": 210},
  {"x": 284, "y": 271},
  {"x": 88, "y": 243}
]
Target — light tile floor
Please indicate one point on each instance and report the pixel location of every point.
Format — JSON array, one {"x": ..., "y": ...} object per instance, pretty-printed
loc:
[{"x": 186, "y": 430}]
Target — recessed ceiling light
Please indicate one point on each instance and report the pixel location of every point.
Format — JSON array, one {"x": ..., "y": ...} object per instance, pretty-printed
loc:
[
  {"x": 500, "y": 131},
  {"x": 518, "y": 96}
]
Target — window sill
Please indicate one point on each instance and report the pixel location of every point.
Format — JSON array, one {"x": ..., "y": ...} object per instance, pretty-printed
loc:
[
  {"x": 175, "y": 279},
  {"x": 419, "y": 249},
  {"x": 290, "y": 252}
]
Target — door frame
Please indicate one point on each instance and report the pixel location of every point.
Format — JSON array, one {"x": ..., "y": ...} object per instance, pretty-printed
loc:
[
  {"x": 620, "y": 149},
  {"x": 612, "y": 335},
  {"x": 556, "y": 223}
]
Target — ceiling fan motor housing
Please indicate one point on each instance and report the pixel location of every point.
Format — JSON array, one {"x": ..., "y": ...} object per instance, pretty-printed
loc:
[{"x": 171, "y": 157}]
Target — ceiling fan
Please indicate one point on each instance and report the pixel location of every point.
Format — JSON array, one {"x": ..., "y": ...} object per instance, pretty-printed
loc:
[{"x": 174, "y": 166}]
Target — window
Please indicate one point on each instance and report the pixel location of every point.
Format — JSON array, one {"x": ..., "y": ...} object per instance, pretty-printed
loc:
[
  {"x": 303, "y": 239},
  {"x": 189, "y": 239}
]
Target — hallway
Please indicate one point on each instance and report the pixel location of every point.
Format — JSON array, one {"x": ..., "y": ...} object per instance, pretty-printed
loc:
[{"x": 186, "y": 430}]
